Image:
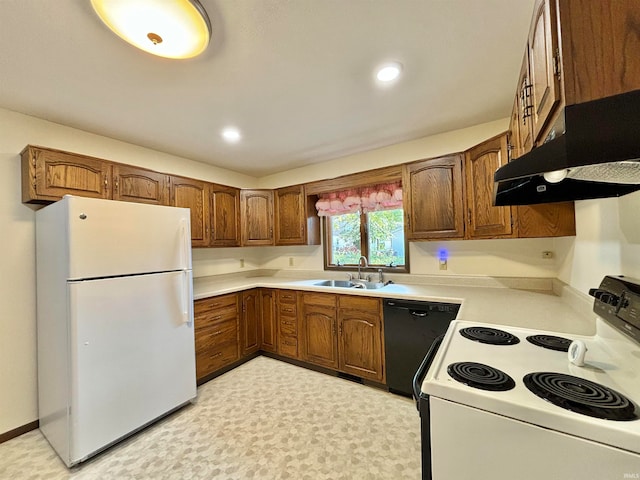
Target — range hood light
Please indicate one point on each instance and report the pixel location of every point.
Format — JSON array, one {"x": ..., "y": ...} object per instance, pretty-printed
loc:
[{"x": 556, "y": 176}]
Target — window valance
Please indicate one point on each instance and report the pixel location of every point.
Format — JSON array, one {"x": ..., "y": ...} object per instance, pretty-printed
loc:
[{"x": 384, "y": 196}]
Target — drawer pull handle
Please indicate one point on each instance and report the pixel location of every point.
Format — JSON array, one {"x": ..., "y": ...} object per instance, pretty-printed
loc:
[
  {"x": 219, "y": 354},
  {"x": 291, "y": 344},
  {"x": 217, "y": 332},
  {"x": 287, "y": 309},
  {"x": 288, "y": 323}
]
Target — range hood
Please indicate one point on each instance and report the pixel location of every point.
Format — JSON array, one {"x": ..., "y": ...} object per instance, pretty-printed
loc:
[{"x": 597, "y": 156}]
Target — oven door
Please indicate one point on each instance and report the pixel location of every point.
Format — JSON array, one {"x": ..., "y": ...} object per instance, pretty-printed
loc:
[{"x": 422, "y": 404}]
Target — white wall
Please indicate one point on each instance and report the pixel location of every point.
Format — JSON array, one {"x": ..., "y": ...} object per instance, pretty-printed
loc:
[{"x": 607, "y": 242}]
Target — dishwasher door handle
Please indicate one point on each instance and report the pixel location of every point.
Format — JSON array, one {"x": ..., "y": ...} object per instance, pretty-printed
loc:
[
  {"x": 418, "y": 313},
  {"x": 422, "y": 369}
]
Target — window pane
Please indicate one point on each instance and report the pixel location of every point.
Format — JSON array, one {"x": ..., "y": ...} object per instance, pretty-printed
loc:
[
  {"x": 386, "y": 237},
  {"x": 345, "y": 238}
]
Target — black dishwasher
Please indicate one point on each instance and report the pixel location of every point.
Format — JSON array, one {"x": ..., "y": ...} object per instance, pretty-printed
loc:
[{"x": 410, "y": 327}]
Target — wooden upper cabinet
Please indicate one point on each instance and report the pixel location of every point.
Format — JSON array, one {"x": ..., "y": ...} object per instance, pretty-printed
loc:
[
  {"x": 524, "y": 108},
  {"x": 513, "y": 139},
  {"x": 48, "y": 175},
  {"x": 433, "y": 198},
  {"x": 544, "y": 64},
  {"x": 131, "y": 184},
  {"x": 599, "y": 48},
  {"x": 193, "y": 194},
  {"x": 290, "y": 217},
  {"x": 483, "y": 219},
  {"x": 225, "y": 216},
  {"x": 256, "y": 207}
]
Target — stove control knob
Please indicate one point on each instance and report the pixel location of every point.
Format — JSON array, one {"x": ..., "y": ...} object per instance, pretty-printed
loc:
[{"x": 576, "y": 353}]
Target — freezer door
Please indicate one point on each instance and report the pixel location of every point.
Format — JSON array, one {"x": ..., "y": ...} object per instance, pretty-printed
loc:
[
  {"x": 132, "y": 357},
  {"x": 108, "y": 238}
]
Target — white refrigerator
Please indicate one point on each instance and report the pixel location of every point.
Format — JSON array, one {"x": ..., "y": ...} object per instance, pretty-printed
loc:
[{"x": 114, "y": 320}]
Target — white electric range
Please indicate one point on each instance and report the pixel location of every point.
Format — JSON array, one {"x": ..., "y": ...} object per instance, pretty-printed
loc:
[{"x": 500, "y": 402}]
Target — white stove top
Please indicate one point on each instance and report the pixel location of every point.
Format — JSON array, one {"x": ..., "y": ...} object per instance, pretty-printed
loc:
[{"x": 612, "y": 360}]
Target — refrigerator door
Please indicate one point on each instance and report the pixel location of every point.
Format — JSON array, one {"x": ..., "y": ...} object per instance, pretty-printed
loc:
[
  {"x": 109, "y": 238},
  {"x": 132, "y": 355}
]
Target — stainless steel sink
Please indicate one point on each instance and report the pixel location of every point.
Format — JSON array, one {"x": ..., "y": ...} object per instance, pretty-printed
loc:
[
  {"x": 335, "y": 283},
  {"x": 350, "y": 284}
]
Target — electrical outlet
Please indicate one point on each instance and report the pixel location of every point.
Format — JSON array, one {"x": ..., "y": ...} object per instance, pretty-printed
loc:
[
  {"x": 547, "y": 254},
  {"x": 443, "y": 264},
  {"x": 291, "y": 261},
  {"x": 242, "y": 263}
]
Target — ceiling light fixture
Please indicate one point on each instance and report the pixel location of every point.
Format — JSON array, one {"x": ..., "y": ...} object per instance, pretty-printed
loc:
[
  {"x": 167, "y": 28},
  {"x": 231, "y": 134},
  {"x": 389, "y": 72}
]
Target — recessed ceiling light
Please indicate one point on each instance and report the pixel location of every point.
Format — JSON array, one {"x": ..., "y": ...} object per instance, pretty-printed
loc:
[
  {"x": 389, "y": 72},
  {"x": 231, "y": 134},
  {"x": 172, "y": 29}
]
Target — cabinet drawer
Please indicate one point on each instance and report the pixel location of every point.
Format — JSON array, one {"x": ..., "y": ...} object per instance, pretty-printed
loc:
[
  {"x": 215, "y": 317},
  {"x": 319, "y": 299},
  {"x": 288, "y": 346},
  {"x": 211, "y": 360},
  {"x": 287, "y": 296},
  {"x": 213, "y": 304},
  {"x": 359, "y": 303},
  {"x": 216, "y": 335},
  {"x": 289, "y": 309},
  {"x": 288, "y": 326}
]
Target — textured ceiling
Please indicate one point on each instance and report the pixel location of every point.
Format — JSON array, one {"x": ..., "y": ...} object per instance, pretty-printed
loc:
[{"x": 296, "y": 76}]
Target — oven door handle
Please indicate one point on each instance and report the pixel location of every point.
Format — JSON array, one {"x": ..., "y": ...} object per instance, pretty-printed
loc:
[{"x": 422, "y": 370}]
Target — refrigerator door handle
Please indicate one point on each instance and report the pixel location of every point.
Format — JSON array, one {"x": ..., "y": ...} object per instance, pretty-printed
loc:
[
  {"x": 186, "y": 318},
  {"x": 185, "y": 243}
]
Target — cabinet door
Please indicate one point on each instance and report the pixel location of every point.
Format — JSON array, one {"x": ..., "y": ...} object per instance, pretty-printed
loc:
[
  {"x": 360, "y": 340},
  {"x": 268, "y": 327},
  {"x": 290, "y": 216},
  {"x": 131, "y": 184},
  {"x": 524, "y": 101},
  {"x": 256, "y": 217},
  {"x": 513, "y": 145},
  {"x": 193, "y": 194},
  {"x": 250, "y": 321},
  {"x": 53, "y": 174},
  {"x": 433, "y": 195},
  {"x": 543, "y": 55},
  {"x": 225, "y": 216},
  {"x": 483, "y": 219},
  {"x": 320, "y": 330}
]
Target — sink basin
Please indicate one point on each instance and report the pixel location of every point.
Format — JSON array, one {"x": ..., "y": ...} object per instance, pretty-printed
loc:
[
  {"x": 335, "y": 283},
  {"x": 350, "y": 284}
]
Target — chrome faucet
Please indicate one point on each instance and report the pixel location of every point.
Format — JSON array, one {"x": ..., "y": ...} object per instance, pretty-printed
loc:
[{"x": 366, "y": 265}]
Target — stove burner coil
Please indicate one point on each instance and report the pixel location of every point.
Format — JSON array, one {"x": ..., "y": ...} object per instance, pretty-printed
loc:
[
  {"x": 581, "y": 396},
  {"x": 491, "y": 336},
  {"x": 478, "y": 375},
  {"x": 550, "y": 342}
]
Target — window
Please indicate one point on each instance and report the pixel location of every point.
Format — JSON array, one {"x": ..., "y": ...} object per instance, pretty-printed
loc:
[
  {"x": 364, "y": 221},
  {"x": 378, "y": 236}
]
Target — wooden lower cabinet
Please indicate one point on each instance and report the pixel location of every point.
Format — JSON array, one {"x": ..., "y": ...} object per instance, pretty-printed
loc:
[
  {"x": 345, "y": 333},
  {"x": 360, "y": 341},
  {"x": 287, "y": 320},
  {"x": 250, "y": 322},
  {"x": 319, "y": 319},
  {"x": 268, "y": 326},
  {"x": 216, "y": 333}
]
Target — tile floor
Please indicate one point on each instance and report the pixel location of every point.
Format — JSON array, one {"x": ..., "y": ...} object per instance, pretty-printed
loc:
[{"x": 263, "y": 420}]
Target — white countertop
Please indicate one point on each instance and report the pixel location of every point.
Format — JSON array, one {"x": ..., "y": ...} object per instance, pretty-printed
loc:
[{"x": 498, "y": 305}]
